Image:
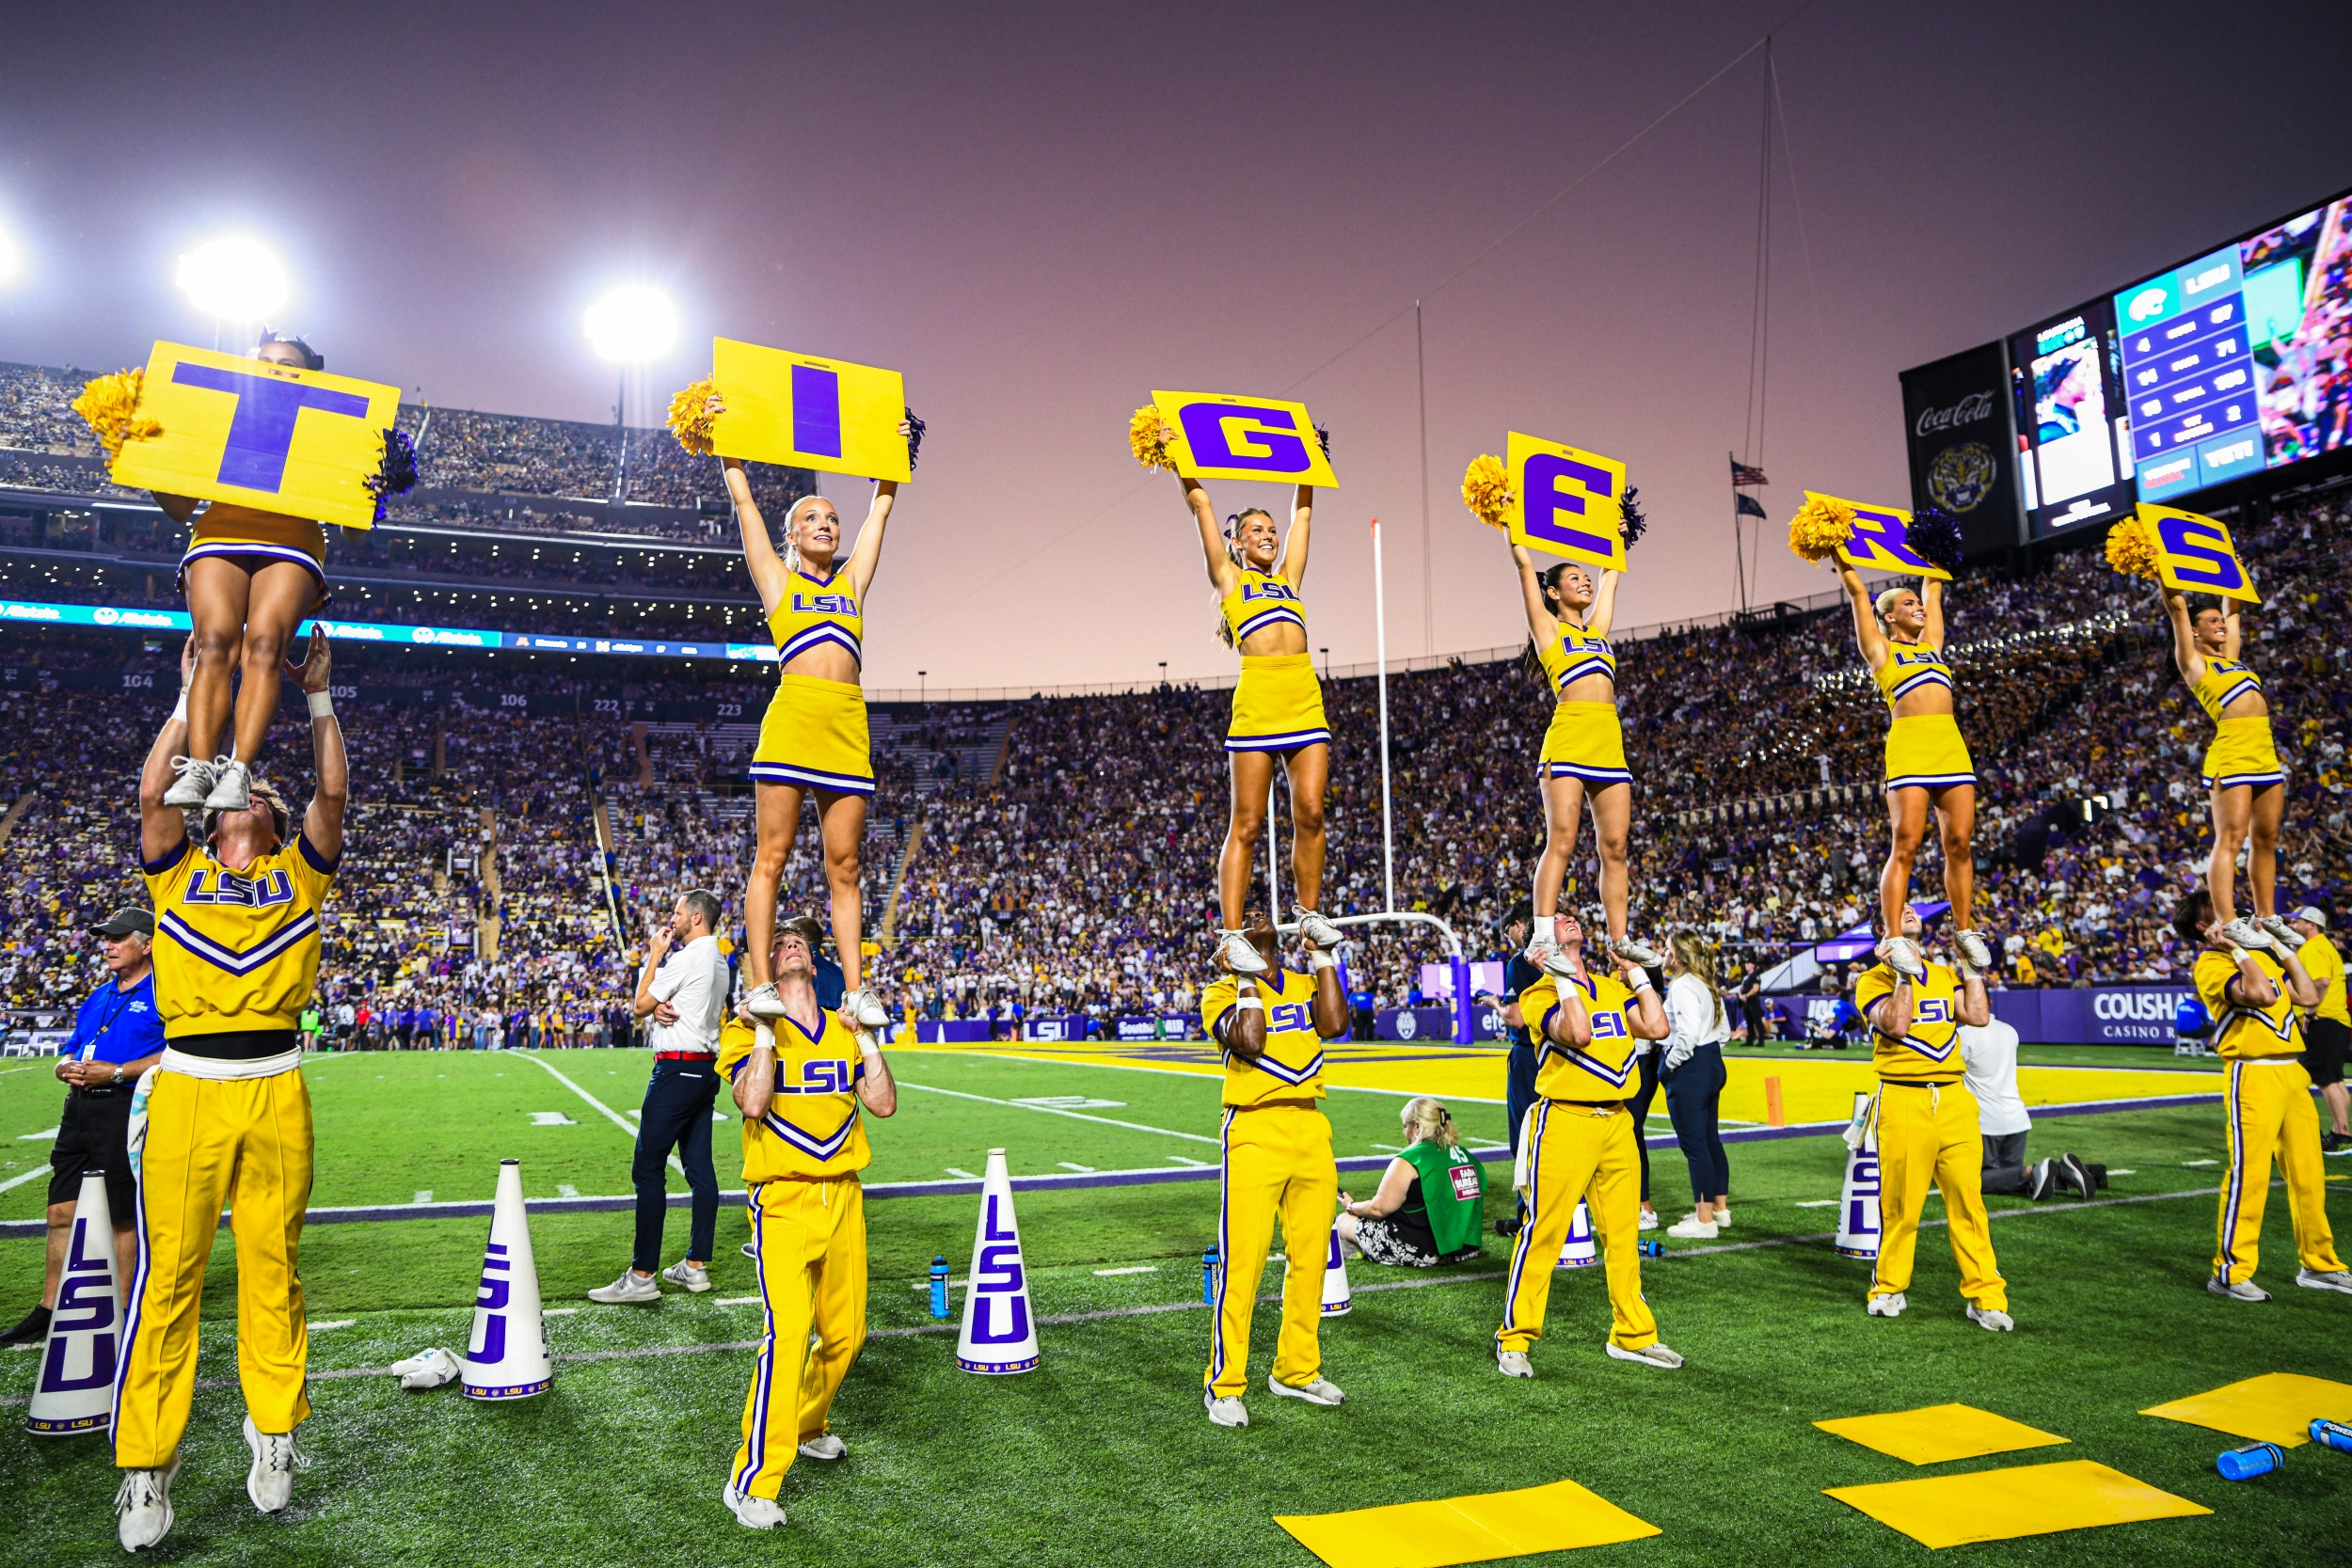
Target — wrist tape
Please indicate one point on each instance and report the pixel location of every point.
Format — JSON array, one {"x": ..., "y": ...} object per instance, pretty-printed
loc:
[{"x": 321, "y": 705}]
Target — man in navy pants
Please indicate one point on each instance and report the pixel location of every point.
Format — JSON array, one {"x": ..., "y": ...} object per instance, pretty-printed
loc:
[{"x": 685, "y": 1000}]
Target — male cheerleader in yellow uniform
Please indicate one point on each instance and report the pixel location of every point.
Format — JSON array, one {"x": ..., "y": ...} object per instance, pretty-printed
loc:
[
  {"x": 1581, "y": 1143},
  {"x": 799, "y": 1083},
  {"x": 2266, "y": 1106},
  {"x": 1277, "y": 1160},
  {"x": 227, "y": 1116},
  {"x": 1926, "y": 1121}
]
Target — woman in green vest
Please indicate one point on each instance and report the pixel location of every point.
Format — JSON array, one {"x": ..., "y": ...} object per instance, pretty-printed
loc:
[{"x": 1430, "y": 1207}]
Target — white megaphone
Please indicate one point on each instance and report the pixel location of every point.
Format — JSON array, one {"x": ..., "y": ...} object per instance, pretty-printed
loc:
[
  {"x": 1579, "y": 1251},
  {"x": 73, "y": 1392},
  {"x": 1337, "y": 1299},
  {"x": 1858, "y": 1201},
  {"x": 507, "y": 1356},
  {"x": 999, "y": 1335}
]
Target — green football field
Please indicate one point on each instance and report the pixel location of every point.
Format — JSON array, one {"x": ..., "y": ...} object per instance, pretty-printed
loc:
[{"x": 1102, "y": 1455}]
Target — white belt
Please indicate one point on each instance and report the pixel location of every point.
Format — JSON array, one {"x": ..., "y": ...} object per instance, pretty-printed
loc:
[
  {"x": 2271, "y": 1061},
  {"x": 226, "y": 1068}
]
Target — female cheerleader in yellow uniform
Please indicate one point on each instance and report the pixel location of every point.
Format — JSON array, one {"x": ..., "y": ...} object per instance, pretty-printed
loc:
[
  {"x": 250, "y": 578},
  {"x": 1583, "y": 754},
  {"x": 1901, "y": 638},
  {"x": 2244, "y": 783},
  {"x": 1278, "y": 711},
  {"x": 813, "y": 738}
]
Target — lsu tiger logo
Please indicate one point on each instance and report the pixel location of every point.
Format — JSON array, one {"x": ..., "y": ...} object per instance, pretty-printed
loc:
[{"x": 1961, "y": 476}]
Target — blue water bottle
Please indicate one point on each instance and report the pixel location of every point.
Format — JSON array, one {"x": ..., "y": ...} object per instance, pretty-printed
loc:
[
  {"x": 1208, "y": 1276},
  {"x": 939, "y": 1286},
  {"x": 2255, "y": 1459},
  {"x": 2332, "y": 1434},
  {"x": 1649, "y": 1248}
]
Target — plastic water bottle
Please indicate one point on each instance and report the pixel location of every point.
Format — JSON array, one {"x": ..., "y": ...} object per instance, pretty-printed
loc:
[
  {"x": 1651, "y": 1249},
  {"x": 2332, "y": 1434},
  {"x": 2255, "y": 1459},
  {"x": 1208, "y": 1276},
  {"x": 939, "y": 1286}
]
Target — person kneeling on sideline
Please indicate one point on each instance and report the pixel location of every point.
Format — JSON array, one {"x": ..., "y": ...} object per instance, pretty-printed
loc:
[
  {"x": 799, "y": 1083},
  {"x": 1431, "y": 1200}
]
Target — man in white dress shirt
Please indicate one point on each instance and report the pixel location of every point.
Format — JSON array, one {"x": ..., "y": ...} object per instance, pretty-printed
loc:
[
  {"x": 1989, "y": 1054},
  {"x": 684, "y": 995}
]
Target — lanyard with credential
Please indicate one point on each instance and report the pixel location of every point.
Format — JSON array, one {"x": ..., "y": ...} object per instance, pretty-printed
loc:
[{"x": 89, "y": 1051}]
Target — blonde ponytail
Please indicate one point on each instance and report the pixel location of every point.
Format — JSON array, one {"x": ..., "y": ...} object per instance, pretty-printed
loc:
[{"x": 1427, "y": 1120}]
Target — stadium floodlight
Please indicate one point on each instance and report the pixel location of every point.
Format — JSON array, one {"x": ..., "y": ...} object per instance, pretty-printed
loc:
[
  {"x": 631, "y": 324},
  {"x": 234, "y": 279}
]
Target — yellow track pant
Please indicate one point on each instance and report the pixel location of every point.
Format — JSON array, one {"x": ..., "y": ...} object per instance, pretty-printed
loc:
[
  {"x": 245, "y": 1144},
  {"x": 1277, "y": 1160},
  {"x": 1575, "y": 1150},
  {"x": 2269, "y": 1111},
  {"x": 810, "y": 1238},
  {"x": 1928, "y": 1137}
]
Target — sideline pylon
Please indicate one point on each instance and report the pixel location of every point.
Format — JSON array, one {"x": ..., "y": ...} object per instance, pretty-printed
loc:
[
  {"x": 999, "y": 1335},
  {"x": 507, "y": 1356},
  {"x": 73, "y": 1392}
]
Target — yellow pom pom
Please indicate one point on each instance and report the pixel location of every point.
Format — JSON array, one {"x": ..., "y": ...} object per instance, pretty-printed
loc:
[
  {"x": 1149, "y": 436},
  {"x": 110, "y": 405},
  {"x": 691, "y": 415},
  {"x": 1818, "y": 527},
  {"x": 1486, "y": 490},
  {"x": 2132, "y": 549}
]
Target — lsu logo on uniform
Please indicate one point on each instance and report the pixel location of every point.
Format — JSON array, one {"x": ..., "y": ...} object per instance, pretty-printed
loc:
[
  {"x": 1223, "y": 436},
  {"x": 1289, "y": 1016},
  {"x": 826, "y": 1075},
  {"x": 1253, "y": 590},
  {"x": 1932, "y": 1010},
  {"x": 1565, "y": 501},
  {"x": 2195, "y": 554},
  {"x": 250, "y": 892},
  {"x": 1882, "y": 541},
  {"x": 1609, "y": 1026},
  {"x": 823, "y": 604}
]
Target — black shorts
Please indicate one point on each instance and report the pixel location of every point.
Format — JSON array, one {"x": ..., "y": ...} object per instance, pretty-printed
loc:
[
  {"x": 94, "y": 1135},
  {"x": 2326, "y": 1043}
]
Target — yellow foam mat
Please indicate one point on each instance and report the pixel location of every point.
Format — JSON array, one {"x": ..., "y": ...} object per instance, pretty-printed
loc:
[
  {"x": 2276, "y": 1407},
  {"x": 1476, "y": 1528},
  {"x": 2001, "y": 1505},
  {"x": 1939, "y": 1433}
]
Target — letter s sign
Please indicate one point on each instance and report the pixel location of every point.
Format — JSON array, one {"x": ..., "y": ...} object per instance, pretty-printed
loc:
[{"x": 2194, "y": 555}]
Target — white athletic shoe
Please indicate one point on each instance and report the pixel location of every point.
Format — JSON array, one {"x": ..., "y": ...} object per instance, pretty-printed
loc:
[
  {"x": 143, "y": 1506},
  {"x": 232, "y": 787},
  {"x": 751, "y": 1252},
  {"x": 2287, "y": 937},
  {"x": 763, "y": 1002},
  {"x": 427, "y": 1369},
  {"x": 1226, "y": 1411},
  {"x": 1647, "y": 1222},
  {"x": 825, "y": 1446},
  {"x": 2244, "y": 1289},
  {"x": 630, "y": 1288},
  {"x": 270, "y": 1482},
  {"x": 1638, "y": 952},
  {"x": 2246, "y": 934},
  {"x": 1315, "y": 928},
  {"x": 1889, "y": 1305},
  {"x": 753, "y": 1512},
  {"x": 1975, "y": 949},
  {"x": 1692, "y": 1229},
  {"x": 1903, "y": 955},
  {"x": 1722, "y": 1217},
  {"x": 2326, "y": 1279},
  {"x": 1992, "y": 1319},
  {"x": 1321, "y": 1391},
  {"x": 691, "y": 1276},
  {"x": 863, "y": 1010},
  {"x": 1239, "y": 955},
  {"x": 1514, "y": 1363},
  {"x": 1648, "y": 1356},
  {"x": 194, "y": 782}
]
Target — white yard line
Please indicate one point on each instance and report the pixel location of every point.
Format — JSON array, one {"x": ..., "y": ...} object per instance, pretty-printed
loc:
[
  {"x": 20, "y": 1181},
  {"x": 607, "y": 1112},
  {"x": 1057, "y": 1111}
]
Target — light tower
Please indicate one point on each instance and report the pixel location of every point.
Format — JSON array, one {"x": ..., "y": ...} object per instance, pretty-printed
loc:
[{"x": 629, "y": 326}]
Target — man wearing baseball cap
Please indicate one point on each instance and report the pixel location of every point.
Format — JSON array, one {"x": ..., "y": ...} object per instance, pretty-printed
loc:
[
  {"x": 2326, "y": 1028},
  {"x": 118, "y": 1034}
]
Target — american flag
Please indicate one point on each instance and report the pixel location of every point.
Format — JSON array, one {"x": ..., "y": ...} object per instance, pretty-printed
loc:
[{"x": 1743, "y": 474}]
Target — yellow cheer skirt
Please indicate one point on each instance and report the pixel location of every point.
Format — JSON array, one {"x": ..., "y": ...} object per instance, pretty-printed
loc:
[
  {"x": 1278, "y": 707},
  {"x": 815, "y": 738},
  {"x": 253, "y": 539},
  {"x": 1584, "y": 741},
  {"x": 2243, "y": 753},
  {"x": 1926, "y": 751}
]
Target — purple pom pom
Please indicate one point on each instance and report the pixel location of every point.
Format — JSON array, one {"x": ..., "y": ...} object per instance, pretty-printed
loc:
[
  {"x": 396, "y": 474},
  {"x": 1935, "y": 538},
  {"x": 1322, "y": 439},
  {"x": 1630, "y": 514},
  {"x": 914, "y": 439}
]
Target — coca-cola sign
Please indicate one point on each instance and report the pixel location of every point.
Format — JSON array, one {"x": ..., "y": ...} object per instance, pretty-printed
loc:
[{"x": 1968, "y": 411}]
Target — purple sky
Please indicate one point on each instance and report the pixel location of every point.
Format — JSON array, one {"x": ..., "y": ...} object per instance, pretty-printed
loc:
[{"x": 1040, "y": 216}]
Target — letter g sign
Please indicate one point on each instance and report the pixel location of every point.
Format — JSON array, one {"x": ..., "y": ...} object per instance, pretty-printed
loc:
[{"x": 1221, "y": 436}]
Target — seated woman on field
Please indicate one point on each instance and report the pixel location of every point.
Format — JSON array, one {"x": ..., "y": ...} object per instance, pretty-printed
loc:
[{"x": 1430, "y": 1205}]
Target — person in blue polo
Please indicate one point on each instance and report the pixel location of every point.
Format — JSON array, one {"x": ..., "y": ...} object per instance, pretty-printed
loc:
[{"x": 116, "y": 1036}]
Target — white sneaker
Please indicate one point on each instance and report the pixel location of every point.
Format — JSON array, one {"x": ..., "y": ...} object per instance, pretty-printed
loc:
[
  {"x": 143, "y": 1506},
  {"x": 1638, "y": 952},
  {"x": 2326, "y": 1279},
  {"x": 862, "y": 1009},
  {"x": 1975, "y": 949},
  {"x": 763, "y": 1002},
  {"x": 1903, "y": 955},
  {"x": 1692, "y": 1229},
  {"x": 2287, "y": 937},
  {"x": 825, "y": 1446},
  {"x": 751, "y": 1252},
  {"x": 1239, "y": 955},
  {"x": 1226, "y": 1411},
  {"x": 753, "y": 1512},
  {"x": 1648, "y": 1356},
  {"x": 1514, "y": 1363},
  {"x": 2246, "y": 934},
  {"x": 270, "y": 1482},
  {"x": 1321, "y": 1391},
  {"x": 631, "y": 1288},
  {"x": 1315, "y": 928},
  {"x": 232, "y": 787},
  {"x": 1648, "y": 1221},
  {"x": 188, "y": 790},
  {"x": 2244, "y": 1289},
  {"x": 691, "y": 1276},
  {"x": 1991, "y": 1318},
  {"x": 1889, "y": 1305},
  {"x": 1722, "y": 1217}
]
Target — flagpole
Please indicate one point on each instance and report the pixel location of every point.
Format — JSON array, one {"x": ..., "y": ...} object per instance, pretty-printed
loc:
[{"x": 1380, "y": 652}]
